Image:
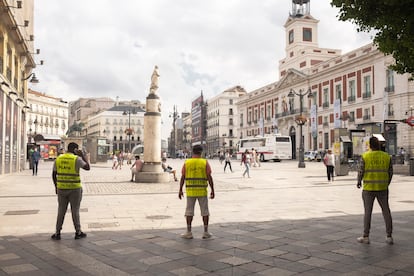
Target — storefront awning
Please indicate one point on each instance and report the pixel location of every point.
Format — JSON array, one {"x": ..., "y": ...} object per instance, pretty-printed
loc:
[
  {"x": 46, "y": 137},
  {"x": 345, "y": 139},
  {"x": 379, "y": 137}
]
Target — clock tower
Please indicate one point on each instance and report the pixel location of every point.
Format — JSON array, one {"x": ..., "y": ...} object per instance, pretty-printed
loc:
[{"x": 302, "y": 49}]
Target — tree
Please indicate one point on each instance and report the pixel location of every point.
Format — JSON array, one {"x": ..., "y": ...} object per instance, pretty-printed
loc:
[
  {"x": 393, "y": 24},
  {"x": 76, "y": 127}
]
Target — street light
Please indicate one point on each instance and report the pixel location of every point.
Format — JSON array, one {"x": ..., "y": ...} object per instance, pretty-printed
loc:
[
  {"x": 174, "y": 116},
  {"x": 301, "y": 120},
  {"x": 129, "y": 131}
]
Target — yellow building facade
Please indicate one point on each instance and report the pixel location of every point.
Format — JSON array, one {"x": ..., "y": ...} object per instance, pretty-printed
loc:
[{"x": 16, "y": 65}]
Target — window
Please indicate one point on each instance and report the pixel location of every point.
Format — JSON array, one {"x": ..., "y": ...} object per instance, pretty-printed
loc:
[
  {"x": 325, "y": 121},
  {"x": 276, "y": 108},
  {"x": 268, "y": 111},
  {"x": 255, "y": 115},
  {"x": 231, "y": 111},
  {"x": 390, "y": 81},
  {"x": 291, "y": 104},
  {"x": 291, "y": 36},
  {"x": 352, "y": 116},
  {"x": 230, "y": 101},
  {"x": 249, "y": 117},
  {"x": 325, "y": 97},
  {"x": 367, "y": 114},
  {"x": 241, "y": 119},
  {"x": 307, "y": 34},
  {"x": 338, "y": 91},
  {"x": 326, "y": 140},
  {"x": 367, "y": 87},
  {"x": 351, "y": 89},
  {"x": 390, "y": 110}
]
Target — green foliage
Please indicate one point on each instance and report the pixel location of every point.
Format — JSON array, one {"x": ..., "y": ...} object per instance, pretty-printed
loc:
[
  {"x": 393, "y": 24},
  {"x": 75, "y": 128}
]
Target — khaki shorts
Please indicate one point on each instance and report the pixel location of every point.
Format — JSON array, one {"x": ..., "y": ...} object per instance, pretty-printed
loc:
[{"x": 202, "y": 201}]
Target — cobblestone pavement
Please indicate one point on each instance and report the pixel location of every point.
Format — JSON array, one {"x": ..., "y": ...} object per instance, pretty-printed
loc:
[{"x": 282, "y": 221}]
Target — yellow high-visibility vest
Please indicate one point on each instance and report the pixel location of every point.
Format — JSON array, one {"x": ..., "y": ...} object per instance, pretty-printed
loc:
[
  {"x": 196, "y": 177},
  {"x": 376, "y": 177},
  {"x": 67, "y": 177}
]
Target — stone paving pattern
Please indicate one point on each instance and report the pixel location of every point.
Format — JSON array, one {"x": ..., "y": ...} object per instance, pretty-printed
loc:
[{"x": 282, "y": 221}]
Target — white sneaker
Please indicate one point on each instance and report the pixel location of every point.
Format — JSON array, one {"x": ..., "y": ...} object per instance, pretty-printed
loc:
[
  {"x": 206, "y": 235},
  {"x": 389, "y": 240},
  {"x": 187, "y": 235},
  {"x": 363, "y": 240}
]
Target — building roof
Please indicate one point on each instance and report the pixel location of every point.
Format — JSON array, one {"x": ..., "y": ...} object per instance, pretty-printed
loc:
[{"x": 126, "y": 108}]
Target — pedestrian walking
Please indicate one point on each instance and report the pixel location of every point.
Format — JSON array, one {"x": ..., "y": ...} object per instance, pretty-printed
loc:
[
  {"x": 35, "y": 159},
  {"x": 227, "y": 160},
  {"x": 254, "y": 157},
  {"x": 329, "y": 161},
  {"x": 375, "y": 176},
  {"x": 136, "y": 167},
  {"x": 221, "y": 158},
  {"x": 114, "y": 161},
  {"x": 196, "y": 173},
  {"x": 120, "y": 158},
  {"x": 68, "y": 187},
  {"x": 246, "y": 161}
]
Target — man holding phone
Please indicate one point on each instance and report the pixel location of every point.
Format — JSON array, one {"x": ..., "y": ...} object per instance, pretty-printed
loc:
[{"x": 68, "y": 187}]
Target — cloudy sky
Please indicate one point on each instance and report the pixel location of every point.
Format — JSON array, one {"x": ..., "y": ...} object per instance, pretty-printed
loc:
[{"x": 109, "y": 48}]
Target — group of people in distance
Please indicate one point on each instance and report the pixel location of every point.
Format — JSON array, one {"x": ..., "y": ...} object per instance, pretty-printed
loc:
[{"x": 374, "y": 177}]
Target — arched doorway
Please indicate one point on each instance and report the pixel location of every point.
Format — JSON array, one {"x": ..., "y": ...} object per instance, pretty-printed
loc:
[{"x": 292, "y": 134}]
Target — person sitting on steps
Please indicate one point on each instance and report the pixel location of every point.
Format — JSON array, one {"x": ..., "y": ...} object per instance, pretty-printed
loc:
[{"x": 168, "y": 168}]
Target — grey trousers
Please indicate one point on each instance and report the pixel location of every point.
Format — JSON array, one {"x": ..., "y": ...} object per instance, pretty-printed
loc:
[
  {"x": 74, "y": 197},
  {"x": 382, "y": 197}
]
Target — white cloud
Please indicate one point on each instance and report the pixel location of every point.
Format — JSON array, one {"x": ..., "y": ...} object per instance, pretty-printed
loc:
[{"x": 109, "y": 48}]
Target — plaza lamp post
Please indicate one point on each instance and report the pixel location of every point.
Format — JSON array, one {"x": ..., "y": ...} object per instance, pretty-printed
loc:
[
  {"x": 129, "y": 131},
  {"x": 301, "y": 120},
  {"x": 174, "y": 115}
]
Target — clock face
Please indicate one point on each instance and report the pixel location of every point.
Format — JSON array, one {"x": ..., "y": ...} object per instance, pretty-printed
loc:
[{"x": 291, "y": 36}]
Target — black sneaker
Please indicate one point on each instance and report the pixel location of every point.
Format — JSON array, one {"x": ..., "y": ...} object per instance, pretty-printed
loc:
[
  {"x": 55, "y": 237},
  {"x": 80, "y": 235}
]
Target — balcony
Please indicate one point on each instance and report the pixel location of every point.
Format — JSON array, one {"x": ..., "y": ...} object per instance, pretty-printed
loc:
[
  {"x": 389, "y": 89},
  {"x": 351, "y": 119},
  {"x": 325, "y": 124},
  {"x": 366, "y": 117},
  {"x": 325, "y": 105},
  {"x": 351, "y": 99},
  {"x": 391, "y": 113},
  {"x": 366, "y": 95}
]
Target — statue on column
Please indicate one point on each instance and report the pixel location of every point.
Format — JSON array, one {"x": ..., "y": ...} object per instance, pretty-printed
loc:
[{"x": 154, "y": 80}]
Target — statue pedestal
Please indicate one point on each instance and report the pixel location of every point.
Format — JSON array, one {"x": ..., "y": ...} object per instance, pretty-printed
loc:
[{"x": 152, "y": 173}]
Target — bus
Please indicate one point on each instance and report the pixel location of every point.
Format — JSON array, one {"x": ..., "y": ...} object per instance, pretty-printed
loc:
[{"x": 269, "y": 147}]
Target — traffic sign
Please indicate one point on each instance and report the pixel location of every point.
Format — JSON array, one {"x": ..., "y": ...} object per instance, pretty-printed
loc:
[{"x": 410, "y": 121}]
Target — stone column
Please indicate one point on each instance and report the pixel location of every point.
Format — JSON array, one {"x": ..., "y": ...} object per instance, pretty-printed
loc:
[{"x": 152, "y": 171}]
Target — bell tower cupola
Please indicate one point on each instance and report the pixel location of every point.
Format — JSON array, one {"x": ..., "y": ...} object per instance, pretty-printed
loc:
[{"x": 300, "y": 8}]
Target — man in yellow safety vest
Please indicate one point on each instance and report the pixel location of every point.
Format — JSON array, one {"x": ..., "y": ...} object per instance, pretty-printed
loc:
[
  {"x": 68, "y": 187},
  {"x": 196, "y": 172},
  {"x": 375, "y": 174}
]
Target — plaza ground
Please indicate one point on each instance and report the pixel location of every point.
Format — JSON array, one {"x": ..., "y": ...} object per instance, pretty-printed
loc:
[{"x": 284, "y": 220}]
